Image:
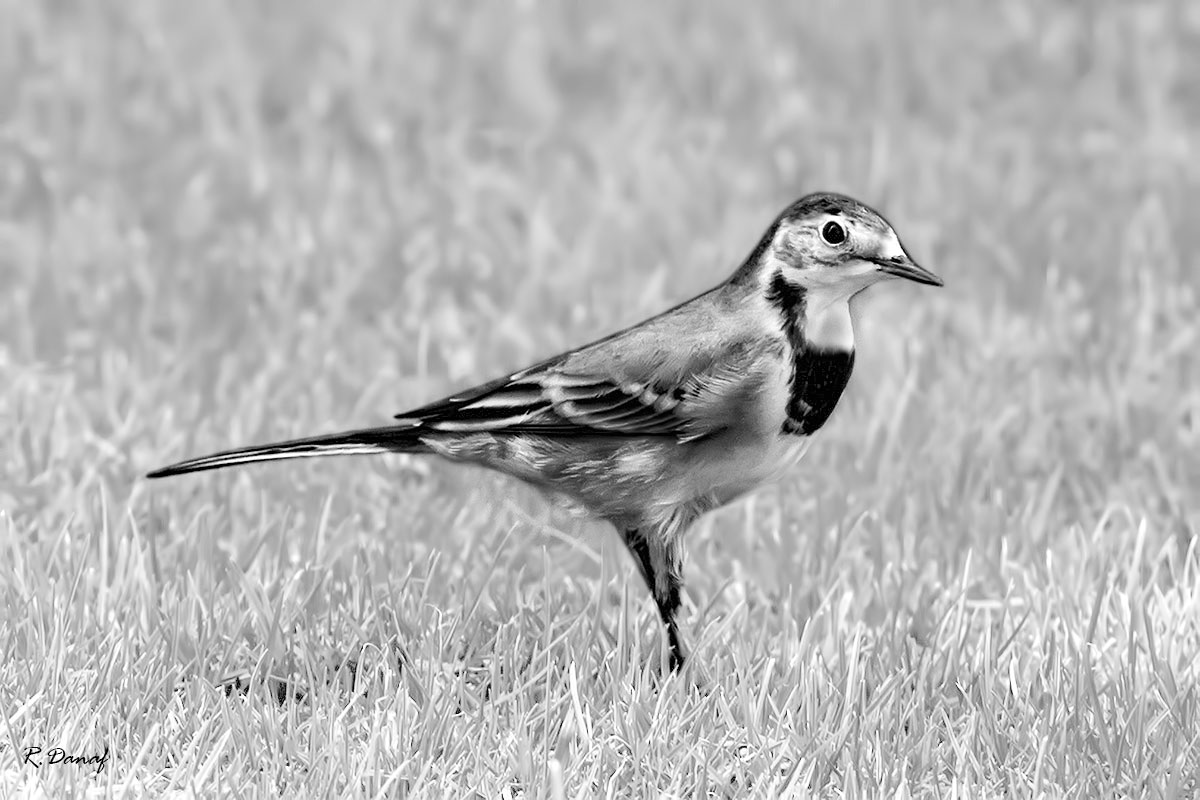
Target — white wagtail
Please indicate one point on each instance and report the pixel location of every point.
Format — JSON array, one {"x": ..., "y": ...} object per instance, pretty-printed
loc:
[{"x": 651, "y": 427}]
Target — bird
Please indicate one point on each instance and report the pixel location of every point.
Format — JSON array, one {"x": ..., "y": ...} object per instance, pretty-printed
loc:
[{"x": 655, "y": 425}]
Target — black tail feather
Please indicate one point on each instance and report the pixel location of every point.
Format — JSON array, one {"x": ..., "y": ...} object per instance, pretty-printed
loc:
[{"x": 393, "y": 439}]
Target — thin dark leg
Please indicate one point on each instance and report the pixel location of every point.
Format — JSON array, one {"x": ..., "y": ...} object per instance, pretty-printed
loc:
[
  {"x": 661, "y": 566},
  {"x": 641, "y": 554}
]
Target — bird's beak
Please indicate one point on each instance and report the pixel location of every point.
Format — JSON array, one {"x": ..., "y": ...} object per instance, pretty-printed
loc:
[{"x": 904, "y": 267}]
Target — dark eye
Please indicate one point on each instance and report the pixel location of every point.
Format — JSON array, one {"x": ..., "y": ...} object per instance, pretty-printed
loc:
[{"x": 833, "y": 233}]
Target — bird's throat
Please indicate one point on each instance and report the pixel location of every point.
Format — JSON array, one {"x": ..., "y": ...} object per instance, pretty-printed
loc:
[
  {"x": 818, "y": 313},
  {"x": 822, "y": 347},
  {"x": 828, "y": 326}
]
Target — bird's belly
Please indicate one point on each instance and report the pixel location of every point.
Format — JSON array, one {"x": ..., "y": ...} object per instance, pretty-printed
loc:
[{"x": 742, "y": 468}]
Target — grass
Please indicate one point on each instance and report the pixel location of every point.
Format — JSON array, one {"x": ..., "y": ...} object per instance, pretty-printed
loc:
[{"x": 223, "y": 223}]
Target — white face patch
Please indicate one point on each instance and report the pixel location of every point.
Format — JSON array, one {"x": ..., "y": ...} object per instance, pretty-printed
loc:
[
  {"x": 891, "y": 246},
  {"x": 828, "y": 289},
  {"x": 826, "y": 284}
]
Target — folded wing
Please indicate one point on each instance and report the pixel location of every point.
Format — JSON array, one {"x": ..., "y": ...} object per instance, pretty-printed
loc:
[{"x": 569, "y": 396}]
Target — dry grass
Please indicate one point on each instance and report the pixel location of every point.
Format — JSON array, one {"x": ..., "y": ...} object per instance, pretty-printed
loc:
[{"x": 222, "y": 223}]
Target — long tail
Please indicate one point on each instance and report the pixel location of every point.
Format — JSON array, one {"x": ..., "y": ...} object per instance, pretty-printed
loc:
[{"x": 393, "y": 439}]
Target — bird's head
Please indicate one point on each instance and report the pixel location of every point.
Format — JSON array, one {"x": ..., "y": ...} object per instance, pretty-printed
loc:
[{"x": 833, "y": 247}]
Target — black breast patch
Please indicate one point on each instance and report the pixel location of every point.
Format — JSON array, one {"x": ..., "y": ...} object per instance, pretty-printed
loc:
[
  {"x": 818, "y": 376},
  {"x": 818, "y": 379}
]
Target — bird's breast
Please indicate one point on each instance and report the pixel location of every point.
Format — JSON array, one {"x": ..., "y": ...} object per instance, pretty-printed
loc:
[{"x": 818, "y": 379}]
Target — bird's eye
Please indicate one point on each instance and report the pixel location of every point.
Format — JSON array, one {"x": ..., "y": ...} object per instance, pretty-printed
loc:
[{"x": 833, "y": 233}]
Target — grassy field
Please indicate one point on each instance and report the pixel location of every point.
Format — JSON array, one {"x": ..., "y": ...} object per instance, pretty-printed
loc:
[{"x": 223, "y": 223}]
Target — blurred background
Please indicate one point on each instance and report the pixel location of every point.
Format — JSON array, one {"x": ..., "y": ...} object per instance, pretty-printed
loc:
[{"x": 225, "y": 223}]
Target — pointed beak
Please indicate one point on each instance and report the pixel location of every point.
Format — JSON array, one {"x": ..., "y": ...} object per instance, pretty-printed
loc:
[{"x": 904, "y": 267}]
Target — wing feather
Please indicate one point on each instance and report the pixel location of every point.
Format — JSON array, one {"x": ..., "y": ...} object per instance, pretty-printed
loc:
[{"x": 684, "y": 374}]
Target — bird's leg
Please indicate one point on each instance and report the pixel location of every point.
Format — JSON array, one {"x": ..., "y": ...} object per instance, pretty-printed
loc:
[
  {"x": 661, "y": 565},
  {"x": 640, "y": 551}
]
